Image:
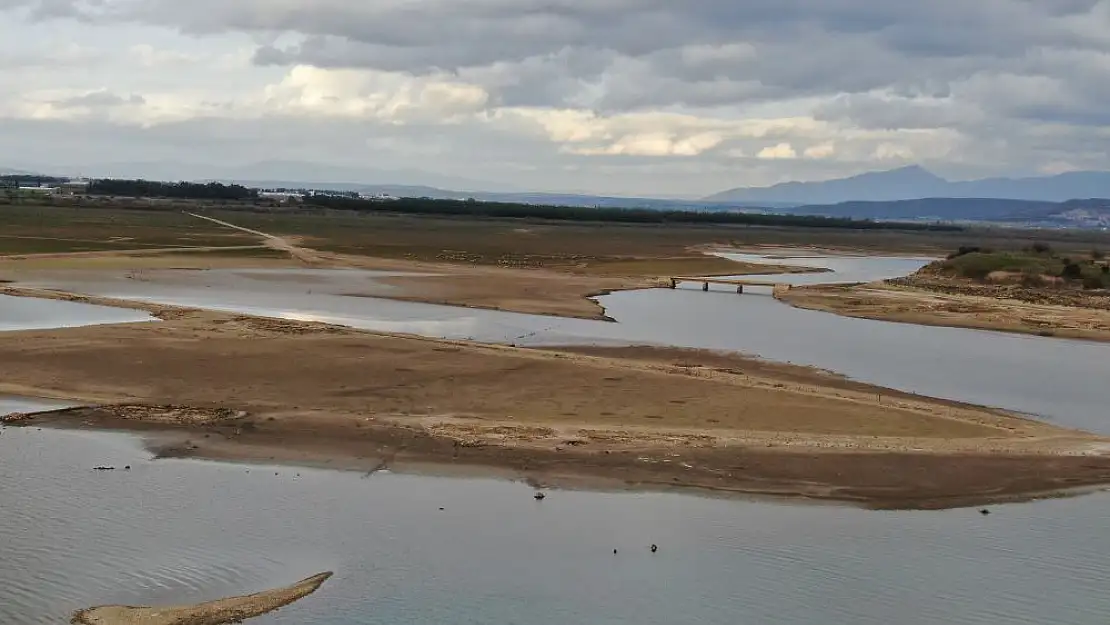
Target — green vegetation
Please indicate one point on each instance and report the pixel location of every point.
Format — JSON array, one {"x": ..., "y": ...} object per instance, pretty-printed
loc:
[
  {"x": 471, "y": 208},
  {"x": 1036, "y": 266},
  {"x": 55, "y": 229},
  {"x": 182, "y": 190}
]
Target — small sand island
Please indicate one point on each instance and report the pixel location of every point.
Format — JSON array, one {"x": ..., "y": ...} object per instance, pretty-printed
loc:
[
  {"x": 1029, "y": 290},
  {"x": 221, "y": 612}
]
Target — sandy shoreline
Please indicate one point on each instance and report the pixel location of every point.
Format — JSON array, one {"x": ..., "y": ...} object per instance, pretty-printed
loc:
[
  {"x": 868, "y": 478},
  {"x": 220, "y": 612},
  {"x": 886, "y": 302}
]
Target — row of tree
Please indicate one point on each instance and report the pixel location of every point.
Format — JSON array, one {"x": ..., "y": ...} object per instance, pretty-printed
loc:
[
  {"x": 28, "y": 180},
  {"x": 471, "y": 208},
  {"x": 177, "y": 190}
]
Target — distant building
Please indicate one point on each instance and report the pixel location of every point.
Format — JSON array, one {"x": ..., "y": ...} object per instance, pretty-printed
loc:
[
  {"x": 286, "y": 197},
  {"x": 73, "y": 187},
  {"x": 38, "y": 190}
]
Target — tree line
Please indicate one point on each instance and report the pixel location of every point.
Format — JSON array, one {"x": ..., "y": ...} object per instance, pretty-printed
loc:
[
  {"x": 176, "y": 190},
  {"x": 28, "y": 180},
  {"x": 471, "y": 208}
]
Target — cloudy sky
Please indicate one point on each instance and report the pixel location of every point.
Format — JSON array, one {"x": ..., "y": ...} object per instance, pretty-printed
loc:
[{"x": 633, "y": 97}]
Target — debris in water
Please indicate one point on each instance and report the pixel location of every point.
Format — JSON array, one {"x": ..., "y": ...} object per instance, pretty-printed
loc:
[
  {"x": 984, "y": 512},
  {"x": 539, "y": 496},
  {"x": 654, "y": 548},
  {"x": 104, "y": 468}
]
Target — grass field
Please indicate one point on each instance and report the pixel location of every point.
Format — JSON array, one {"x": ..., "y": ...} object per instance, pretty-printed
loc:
[
  {"x": 599, "y": 247},
  {"x": 47, "y": 230}
]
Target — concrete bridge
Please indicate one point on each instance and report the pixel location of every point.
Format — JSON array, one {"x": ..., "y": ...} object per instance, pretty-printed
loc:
[{"x": 739, "y": 283}]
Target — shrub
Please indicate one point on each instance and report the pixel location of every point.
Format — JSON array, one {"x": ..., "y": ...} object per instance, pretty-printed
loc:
[
  {"x": 1041, "y": 248},
  {"x": 1097, "y": 254},
  {"x": 1071, "y": 271},
  {"x": 1093, "y": 282},
  {"x": 1032, "y": 279}
]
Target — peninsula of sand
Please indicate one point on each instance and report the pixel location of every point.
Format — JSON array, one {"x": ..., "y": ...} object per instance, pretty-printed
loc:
[{"x": 221, "y": 612}]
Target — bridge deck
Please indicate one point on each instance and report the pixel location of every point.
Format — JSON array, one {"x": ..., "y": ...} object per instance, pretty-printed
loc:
[{"x": 729, "y": 281}]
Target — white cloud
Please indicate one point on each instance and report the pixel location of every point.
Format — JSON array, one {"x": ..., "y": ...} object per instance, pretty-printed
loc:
[
  {"x": 821, "y": 150},
  {"x": 778, "y": 152}
]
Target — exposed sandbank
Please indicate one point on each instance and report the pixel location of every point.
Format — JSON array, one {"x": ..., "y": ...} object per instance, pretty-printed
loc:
[
  {"x": 221, "y": 612},
  {"x": 886, "y": 302},
  {"x": 271, "y": 390}
]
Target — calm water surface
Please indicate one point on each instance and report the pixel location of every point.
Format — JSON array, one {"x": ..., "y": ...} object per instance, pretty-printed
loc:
[
  {"x": 181, "y": 531},
  {"x": 26, "y": 313},
  {"x": 171, "y": 531}
]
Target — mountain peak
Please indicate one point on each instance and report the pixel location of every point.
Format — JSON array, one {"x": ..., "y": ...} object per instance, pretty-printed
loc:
[{"x": 912, "y": 181}]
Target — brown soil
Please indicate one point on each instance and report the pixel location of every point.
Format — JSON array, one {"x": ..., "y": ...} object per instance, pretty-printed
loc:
[
  {"x": 258, "y": 389},
  {"x": 221, "y": 612},
  {"x": 954, "y": 307}
]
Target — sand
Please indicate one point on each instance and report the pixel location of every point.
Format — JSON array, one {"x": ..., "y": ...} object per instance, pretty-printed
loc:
[
  {"x": 559, "y": 285},
  {"x": 305, "y": 393},
  {"x": 231, "y": 610},
  {"x": 911, "y": 305}
]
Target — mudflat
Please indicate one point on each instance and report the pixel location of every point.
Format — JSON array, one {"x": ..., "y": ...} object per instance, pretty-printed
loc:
[
  {"x": 906, "y": 304},
  {"x": 228, "y": 386},
  {"x": 221, "y": 612}
]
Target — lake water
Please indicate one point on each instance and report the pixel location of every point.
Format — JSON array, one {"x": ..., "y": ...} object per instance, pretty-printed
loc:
[
  {"x": 170, "y": 531},
  {"x": 1056, "y": 379},
  {"x": 25, "y": 313}
]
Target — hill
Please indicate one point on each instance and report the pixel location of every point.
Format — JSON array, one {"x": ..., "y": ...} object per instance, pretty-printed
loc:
[
  {"x": 914, "y": 182},
  {"x": 1089, "y": 213}
]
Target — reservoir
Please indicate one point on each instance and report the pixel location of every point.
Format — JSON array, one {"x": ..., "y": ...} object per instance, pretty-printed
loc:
[
  {"x": 181, "y": 531},
  {"x": 171, "y": 531}
]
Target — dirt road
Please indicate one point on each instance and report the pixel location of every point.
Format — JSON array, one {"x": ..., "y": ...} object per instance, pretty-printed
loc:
[{"x": 281, "y": 244}]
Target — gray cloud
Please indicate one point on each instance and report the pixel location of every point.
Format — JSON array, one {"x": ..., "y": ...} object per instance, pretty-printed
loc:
[
  {"x": 1014, "y": 84},
  {"x": 99, "y": 99}
]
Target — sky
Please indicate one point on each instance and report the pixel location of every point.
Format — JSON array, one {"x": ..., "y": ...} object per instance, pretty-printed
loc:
[{"x": 623, "y": 97}]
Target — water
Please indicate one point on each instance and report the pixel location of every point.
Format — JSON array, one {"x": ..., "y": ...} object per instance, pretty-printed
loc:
[
  {"x": 172, "y": 531},
  {"x": 1055, "y": 379},
  {"x": 25, "y": 313}
]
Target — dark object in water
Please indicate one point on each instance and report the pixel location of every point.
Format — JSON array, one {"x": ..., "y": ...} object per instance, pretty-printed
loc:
[
  {"x": 654, "y": 548},
  {"x": 104, "y": 468},
  {"x": 539, "y": 496},
  {"x": 984, "y": 512},
  {"x": 127, "y": 468},
  {"x": 614, "y": 552}
]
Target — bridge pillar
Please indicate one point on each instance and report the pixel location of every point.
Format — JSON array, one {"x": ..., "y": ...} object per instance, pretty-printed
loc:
[
  {"x": 674, "y": 283},
  {"x": 740, "y": 289},
  {"x": 705, "y": 286}
]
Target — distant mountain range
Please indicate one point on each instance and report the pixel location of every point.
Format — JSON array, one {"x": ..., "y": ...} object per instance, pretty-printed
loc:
[
  {"x": 1088, "y": 213},
  {"x": 914, "y": 182}
]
